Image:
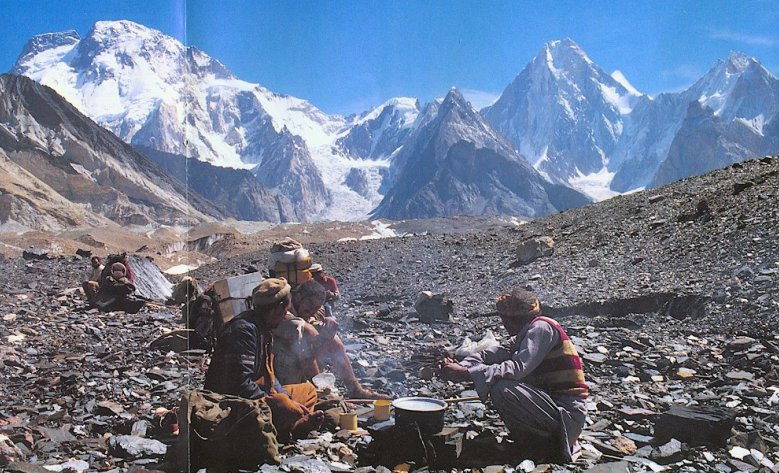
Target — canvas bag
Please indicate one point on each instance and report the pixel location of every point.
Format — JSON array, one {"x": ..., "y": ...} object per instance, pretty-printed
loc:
[{"x": 224, "y": 432}]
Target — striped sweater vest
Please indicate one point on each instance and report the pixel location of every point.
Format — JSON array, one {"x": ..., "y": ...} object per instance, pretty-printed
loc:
[{"x": 561, "y": 371}]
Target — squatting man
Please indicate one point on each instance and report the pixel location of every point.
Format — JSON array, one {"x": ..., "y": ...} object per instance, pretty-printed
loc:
[{"x": 535, "y": 379}]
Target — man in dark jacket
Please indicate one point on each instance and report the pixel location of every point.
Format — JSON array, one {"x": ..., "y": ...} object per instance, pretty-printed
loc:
[{"x": 242, "y": 364}]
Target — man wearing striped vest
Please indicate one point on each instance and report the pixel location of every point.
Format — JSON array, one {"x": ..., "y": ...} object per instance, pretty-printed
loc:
[{"x": 535, "y": 379}]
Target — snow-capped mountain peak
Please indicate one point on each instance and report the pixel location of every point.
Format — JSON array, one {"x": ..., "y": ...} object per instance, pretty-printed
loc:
[
  {"x": 455, "y": 99},
  {"x": 738, "y": 62},
  {"x": 47, "y": 41},
  {"x": 151, "y": 90},
  {"x": 724, "y": 87},
  {"x": 562, "y": 54},
  {"x": 618, "y": 76},
  {"x": 563, "y": 112},
  {"x": 379, "y": 132},
  {"x": 408, "y": 106}
]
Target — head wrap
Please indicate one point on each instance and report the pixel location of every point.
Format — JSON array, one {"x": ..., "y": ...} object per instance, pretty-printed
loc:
[
  {"x": 270, "y": 291},
  {"x": 519, "y": 303},
  {"x": 118, "y": 268}
]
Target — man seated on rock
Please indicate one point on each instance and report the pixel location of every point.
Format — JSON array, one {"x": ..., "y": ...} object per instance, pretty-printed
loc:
[
  {"x": 329, "y": 283},
  {"x": 184, "y": 292},
  {"x": 116, "y": 292},
  {"x": 242, "y": 364},
  {"x": 197, "y": 313},
  {"x": 92, "y": 285},
  {"x": 308, "y": 339},
  {"x": 535, "y": 379}
]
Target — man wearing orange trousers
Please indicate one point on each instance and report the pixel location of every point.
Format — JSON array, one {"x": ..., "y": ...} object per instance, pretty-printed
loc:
[{"x": 242, "y": 364}]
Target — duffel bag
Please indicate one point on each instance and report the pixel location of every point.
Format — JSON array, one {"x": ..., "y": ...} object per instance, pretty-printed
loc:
[{"x": 224, "y": 432}]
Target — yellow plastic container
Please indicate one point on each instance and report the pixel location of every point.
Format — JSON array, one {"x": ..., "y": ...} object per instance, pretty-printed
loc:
[{"x": 295, "y": 277}]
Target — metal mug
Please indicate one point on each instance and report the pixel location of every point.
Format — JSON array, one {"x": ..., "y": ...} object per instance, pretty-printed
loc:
[
  {"x": 348, "y": 421},
  {"x": 381, "y": 409}
]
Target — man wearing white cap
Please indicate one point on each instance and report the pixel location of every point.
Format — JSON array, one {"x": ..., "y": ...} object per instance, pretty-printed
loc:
[
  {"x": 330, "y": 285},
  {"x": 242, "y": 364}
]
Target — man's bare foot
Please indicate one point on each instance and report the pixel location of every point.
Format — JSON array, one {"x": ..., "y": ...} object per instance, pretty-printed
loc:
[
  {"x": 359, "y": 392},
  {"x": 307, "y": 423}
]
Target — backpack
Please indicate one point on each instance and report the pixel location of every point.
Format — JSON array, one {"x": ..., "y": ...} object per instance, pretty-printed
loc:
[{"x": 224, "y": 432}]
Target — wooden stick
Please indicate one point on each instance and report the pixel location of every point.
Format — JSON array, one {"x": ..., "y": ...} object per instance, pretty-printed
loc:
[
  {"x": 463, "y": 399},
  {"x": 454, "y": 399}
]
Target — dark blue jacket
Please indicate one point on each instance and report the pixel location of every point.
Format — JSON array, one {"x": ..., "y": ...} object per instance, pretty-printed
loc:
[{"x": 243, "y": 351}]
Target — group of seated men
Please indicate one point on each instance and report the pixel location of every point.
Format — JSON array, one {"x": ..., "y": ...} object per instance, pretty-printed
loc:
[
  {"x": 534, "y": 379},
  {"x": 286, "y": 338},
  {"x": 111, "y": 288}
]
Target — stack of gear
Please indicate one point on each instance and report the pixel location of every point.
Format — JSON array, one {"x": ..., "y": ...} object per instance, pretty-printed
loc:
[
  {"x": 289, "y": 260},
  {"x": 231, "y": 296}
]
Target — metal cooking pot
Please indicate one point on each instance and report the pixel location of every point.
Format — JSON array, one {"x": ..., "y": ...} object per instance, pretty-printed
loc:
[{"x": 426, "y": 412}]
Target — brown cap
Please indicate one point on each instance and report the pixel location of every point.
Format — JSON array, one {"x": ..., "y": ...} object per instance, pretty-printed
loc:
[
  {"x": 270, "y": 291},
  {"x": 518, "y": 303},
  {"x": 315, "y": 268}
]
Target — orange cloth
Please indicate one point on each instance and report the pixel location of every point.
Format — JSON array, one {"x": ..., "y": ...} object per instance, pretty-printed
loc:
[{"x": 287, "y": 409}]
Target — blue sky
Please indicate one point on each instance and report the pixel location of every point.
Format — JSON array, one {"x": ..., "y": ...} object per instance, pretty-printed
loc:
[{"x": 348, "y": 56}]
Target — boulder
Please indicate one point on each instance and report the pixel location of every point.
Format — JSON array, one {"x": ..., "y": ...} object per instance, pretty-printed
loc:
[
  {"x": 696, "y": 425},
  {"x": 150, "y": 283},
  {"x": 530, "y": 250},
  {"x": 36, "y": 254},
  {"x": 433, "y": 307},
  {"x": 129, "y": 446}
]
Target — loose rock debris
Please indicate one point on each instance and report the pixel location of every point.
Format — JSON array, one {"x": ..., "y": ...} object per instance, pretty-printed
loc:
[
  {"x": 694, "y": 387},
  {"x": 83, "y": 390}
]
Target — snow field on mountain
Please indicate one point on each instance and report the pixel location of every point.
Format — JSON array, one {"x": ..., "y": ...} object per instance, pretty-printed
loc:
[
  {"x": 595, "y": 185},
  {"x": 348, "y": 205},
  {"x": 623, "y": 103}
]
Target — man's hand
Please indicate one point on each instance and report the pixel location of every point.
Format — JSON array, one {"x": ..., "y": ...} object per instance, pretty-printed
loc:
[
  {"x": 330, "y": 324},
  {"x": 305, "y": 409},
  {"x": 453, "y": 371},
  {"x": 328, "y": 328}
]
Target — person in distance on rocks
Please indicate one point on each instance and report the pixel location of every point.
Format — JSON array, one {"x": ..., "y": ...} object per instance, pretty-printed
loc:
[
  {"x": 535, "y": 379},
  {"x": 308, "y": 339},
  {"x": 329, "y": 283},
  {"x": 242, "y": 364},
  {"x": 92, "y": 285},
  {"x": 116, "y": 292}
]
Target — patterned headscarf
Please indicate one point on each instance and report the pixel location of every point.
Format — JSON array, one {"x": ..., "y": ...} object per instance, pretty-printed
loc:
[
  {"x": 118, "y": 268},
  {"x": 519, "y": 303}
]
